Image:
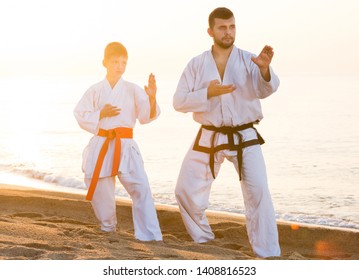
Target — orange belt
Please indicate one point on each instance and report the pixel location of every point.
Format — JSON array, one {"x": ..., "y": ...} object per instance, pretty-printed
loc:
[{"x": 116, "y": 133}]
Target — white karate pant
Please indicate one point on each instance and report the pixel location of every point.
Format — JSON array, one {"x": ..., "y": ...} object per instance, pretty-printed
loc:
[
  {"x": 144, "y": 214},
  {"x": 193, "y": 189}
]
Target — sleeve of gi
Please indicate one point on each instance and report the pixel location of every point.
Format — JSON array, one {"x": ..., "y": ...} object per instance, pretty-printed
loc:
[
  {"x": 87, "y": 112},
  {"x": 261, "y": 87},
  {"x": 187, "y": 98}
]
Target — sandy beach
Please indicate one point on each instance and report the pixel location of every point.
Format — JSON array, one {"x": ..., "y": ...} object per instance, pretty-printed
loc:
[{"x": 47, "y": 225}]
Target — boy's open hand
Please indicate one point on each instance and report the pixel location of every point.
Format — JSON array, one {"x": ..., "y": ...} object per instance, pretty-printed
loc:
[
  {"x": 109, "y": 111},
  {"x": 151, "y": 89}
]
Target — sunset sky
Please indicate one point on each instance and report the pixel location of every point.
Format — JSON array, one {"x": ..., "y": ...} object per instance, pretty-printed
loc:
[{"x": 67, "y": 37}]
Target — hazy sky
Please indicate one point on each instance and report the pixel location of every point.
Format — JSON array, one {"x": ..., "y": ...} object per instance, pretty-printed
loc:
[{"x": 68, "y": 36}]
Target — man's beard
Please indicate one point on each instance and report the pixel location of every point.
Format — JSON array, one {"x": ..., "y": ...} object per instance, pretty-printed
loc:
[{"x": 224, "y": 45}]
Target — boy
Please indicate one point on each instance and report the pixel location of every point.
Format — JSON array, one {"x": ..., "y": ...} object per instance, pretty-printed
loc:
[{"x": 109, "y": 110}]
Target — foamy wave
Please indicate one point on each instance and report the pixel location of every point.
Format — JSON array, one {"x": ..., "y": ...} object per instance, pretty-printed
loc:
[
  {"x": 77, "y": 183},
  {"x": 64, "y": 182},
  {"x": 322, "y": 221},
  {"x": 298, "y": 218},
  {"x": 44, "y": 176}
]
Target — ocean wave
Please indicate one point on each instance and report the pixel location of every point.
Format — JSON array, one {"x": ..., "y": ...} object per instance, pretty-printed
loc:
[
  {"x": 318, "y": 220},
  {"x": 77, "y": 183},
  {"x": 64, "y": 182},
  {"x": 302, "y": 218},
  {"x": 44, "y": 176}
]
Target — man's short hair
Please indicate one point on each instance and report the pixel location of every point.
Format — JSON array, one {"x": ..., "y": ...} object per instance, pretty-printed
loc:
[
  {"x": 222, "y": 13},
  {"x": 115, "y": 49}
]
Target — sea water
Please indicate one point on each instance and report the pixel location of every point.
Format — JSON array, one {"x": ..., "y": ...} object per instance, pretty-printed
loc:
[{"x": 311, "y": 150}]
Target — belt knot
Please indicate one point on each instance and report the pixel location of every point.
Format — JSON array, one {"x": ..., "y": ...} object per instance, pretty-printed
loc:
[
  {"x": 118, "y": 132},
  {"x": 229, "y": 131},
  {"x": 110, "y": 134}
]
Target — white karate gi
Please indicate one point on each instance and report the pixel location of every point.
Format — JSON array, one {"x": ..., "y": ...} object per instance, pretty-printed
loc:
[
  {"x": 233, "y": 109},
  {"x": 134, "y": 104}
]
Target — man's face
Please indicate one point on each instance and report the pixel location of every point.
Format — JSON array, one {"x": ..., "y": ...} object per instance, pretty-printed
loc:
[
  {"x": 115, "y": 65},
  {"x": 223, "y": 32}
]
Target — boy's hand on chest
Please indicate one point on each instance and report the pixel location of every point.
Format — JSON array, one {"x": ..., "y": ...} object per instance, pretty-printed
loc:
[{"x": 109, "y": 111}]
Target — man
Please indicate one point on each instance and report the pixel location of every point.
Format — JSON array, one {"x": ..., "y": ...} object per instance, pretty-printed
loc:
[
  {"x": 222, "y": 88},
  {"x": 109, "y": 110}
]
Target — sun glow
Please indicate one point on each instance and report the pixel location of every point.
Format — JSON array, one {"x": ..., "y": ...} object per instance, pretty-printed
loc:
[
  {"x": 25, "y": 118},
  {"x": 68, "y": 37}
]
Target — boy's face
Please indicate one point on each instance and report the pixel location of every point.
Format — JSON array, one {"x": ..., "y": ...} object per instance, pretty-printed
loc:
[{"x": 115, "y": 65}]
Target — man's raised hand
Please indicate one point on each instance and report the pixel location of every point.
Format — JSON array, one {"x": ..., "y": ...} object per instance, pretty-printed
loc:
[{"x": 263, "y": 60}]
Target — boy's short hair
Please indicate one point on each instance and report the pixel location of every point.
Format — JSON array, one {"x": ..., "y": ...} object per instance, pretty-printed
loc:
[
  {"x": 115, "y": 49},
  {"x": 222, "y": 13}
]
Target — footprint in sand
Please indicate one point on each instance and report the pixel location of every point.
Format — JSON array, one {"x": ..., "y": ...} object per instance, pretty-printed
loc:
[
  {"x": 41, "y": 251},
  {"x": 21, "y": 252},
  {"x": 293, "y": 256},
  {"x": 2, "y": 242},
  {"x": 232, "y": 246},
  {"x": 60, "y": 256},
  {"x": 85, "y": 233},
  {"x": 46, "y": 225},
  {"x": 27, "y": 215},
  {"x": 229, "y": 230},
  {"x": 7, "y": 220},
  {"x": 49, "y": 247},
  {"x": 57, "y": 220}
]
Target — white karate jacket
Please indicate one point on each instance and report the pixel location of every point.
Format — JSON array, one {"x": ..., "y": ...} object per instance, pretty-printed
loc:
[{"x": 134, "y": 104}]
